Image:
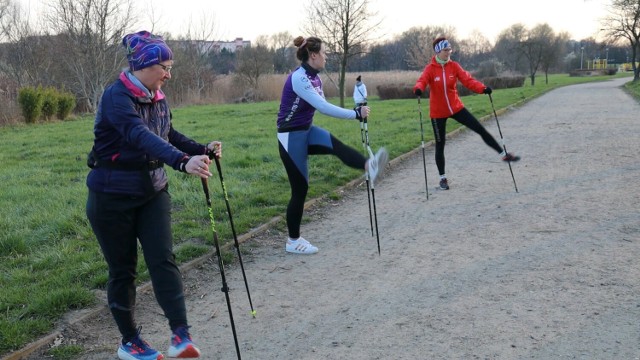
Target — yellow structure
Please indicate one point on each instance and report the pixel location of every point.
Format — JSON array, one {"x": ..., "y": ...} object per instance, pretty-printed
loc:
[
  {"x": 628, "y": 66},
  {"x": 598, "y": 64}
]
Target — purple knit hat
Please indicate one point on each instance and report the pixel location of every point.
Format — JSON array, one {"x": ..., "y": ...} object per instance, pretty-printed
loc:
[{"x": 145, "y": 49}]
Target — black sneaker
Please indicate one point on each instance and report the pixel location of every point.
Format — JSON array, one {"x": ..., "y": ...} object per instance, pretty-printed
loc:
[
  {"x": 510, "y": 157},
  {"x": 444, "y": 184}
]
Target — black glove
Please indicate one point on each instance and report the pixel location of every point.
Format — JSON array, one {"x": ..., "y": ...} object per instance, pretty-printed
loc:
[
  {"x": 418, "y": 92},
  {"x": 487, "y": 91},
  {"x": 358, "y": 110}
]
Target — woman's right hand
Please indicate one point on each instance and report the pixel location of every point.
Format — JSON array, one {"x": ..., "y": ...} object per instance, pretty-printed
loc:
[
  {"x": 199, "y": 165},
  {"x": 362, "y": 112}
]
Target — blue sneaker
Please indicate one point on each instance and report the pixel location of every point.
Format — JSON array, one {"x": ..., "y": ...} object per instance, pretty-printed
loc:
[
  {"x": 181, "y": 345},
  {"x": 138, "y": 349}
]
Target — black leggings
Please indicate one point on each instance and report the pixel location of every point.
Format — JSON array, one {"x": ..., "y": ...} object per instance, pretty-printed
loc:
[
  {"x": 465, "y": 118},
  {"x": 119, "y": 222},
  {"x": 299, "y": 184}
]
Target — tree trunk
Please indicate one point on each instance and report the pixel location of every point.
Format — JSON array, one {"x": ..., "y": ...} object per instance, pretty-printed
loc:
[{"x": 341, "y": 80}]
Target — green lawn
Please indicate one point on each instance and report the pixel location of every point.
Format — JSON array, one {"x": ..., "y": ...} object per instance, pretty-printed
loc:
[{"x": 50, "y": 262}]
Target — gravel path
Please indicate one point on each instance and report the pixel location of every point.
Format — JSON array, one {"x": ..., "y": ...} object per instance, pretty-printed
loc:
[{"x": 476, "y": 272}]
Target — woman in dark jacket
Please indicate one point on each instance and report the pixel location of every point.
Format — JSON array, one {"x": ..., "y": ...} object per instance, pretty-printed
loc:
[{"x": 128, "y": 197}]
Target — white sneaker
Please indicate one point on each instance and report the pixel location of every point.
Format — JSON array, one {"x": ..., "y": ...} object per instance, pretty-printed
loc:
[
  {"x": 377, "y": 164},
  {"x": 300, "y": 246}
]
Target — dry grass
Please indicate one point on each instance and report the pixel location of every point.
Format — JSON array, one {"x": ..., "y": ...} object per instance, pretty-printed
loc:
[
  {"x": 371, "y": 80},
  {"x": 228, "y": 89},
  {"x": 10, "y": 112}
]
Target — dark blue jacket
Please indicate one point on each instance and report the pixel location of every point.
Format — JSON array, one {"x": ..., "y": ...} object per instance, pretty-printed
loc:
[{"x": 131, "y": 128}]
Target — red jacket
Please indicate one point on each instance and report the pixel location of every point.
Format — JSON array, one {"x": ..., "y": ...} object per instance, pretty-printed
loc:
[{"x": 442, "y": 80}]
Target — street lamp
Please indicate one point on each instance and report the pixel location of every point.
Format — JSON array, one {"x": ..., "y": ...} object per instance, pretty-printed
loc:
[
  {"x": 581, "y": 56},
  {"x": 606, "y": 61}
]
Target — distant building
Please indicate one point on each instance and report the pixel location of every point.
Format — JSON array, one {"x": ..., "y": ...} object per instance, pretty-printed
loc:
[{"x": 231, "y": 46}]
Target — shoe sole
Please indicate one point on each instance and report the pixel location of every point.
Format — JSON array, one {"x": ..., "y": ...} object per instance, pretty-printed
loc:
[
  {"x": 512, "y": 160},
  {"x": 123, "y": 355},
  {"x": 301, "y": 252},
  {"x": 190, "y": 352}
]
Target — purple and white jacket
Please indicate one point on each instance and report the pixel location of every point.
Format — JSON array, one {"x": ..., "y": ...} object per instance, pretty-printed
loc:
[{"x": 302, "y": 95}]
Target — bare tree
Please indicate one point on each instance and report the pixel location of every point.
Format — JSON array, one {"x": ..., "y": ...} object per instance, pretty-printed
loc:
[
  {"x": 284, "y": 59},
  {"x": 13, "y": 29},
  {"x": 255, "y": 61},
  {"x": 418, "y": 42},
  {"x": 534, "y": 45},
  {"x": 27, "y": 57},
  {"x": 623, "y": 23},
  {"x": 473, "y": 50},
  {"x": 90, "y": 34},
  {"x": 506, "y": 48},
  {"x": 345, "y": 27},
  {"x": 553, "y": 53},
  {"x": 193, "y": 72},
  {"x": 5, "y": 13}
]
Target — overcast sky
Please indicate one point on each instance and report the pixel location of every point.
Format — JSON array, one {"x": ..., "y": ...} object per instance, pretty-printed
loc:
[{"x": 250, "y": 18}]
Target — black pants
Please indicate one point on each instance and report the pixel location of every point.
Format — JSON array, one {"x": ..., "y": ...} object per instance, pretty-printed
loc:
[
  {"x": 299, "y": 184},
  {"x": 465, "y": 118},
  {"x": 119, "y": 222}
]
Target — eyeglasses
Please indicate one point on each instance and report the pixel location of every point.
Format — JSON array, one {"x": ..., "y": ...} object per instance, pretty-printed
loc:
[{"x": 166, "y": 68}]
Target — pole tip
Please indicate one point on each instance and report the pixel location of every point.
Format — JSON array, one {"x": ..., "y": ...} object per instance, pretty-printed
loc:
[{"x": 253, "y": 313}]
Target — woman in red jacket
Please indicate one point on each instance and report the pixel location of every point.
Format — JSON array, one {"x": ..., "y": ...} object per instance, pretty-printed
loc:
[{"x": 442, "y": 75}]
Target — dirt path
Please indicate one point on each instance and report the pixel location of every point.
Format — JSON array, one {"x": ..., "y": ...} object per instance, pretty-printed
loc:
[{"x": 476, "y": 272}]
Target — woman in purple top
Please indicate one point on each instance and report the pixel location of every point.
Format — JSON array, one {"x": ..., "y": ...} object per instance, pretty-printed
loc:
[{"x": 298, "y": 138}]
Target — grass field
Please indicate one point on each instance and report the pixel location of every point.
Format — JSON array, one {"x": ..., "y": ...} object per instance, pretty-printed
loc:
[{"x": 50, "y": 261}]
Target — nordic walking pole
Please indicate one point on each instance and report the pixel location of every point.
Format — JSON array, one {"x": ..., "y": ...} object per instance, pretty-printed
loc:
[
  {"x": 225, "y": 288},
  {"x": 504, "y": 146},
  {"x": 424, "y": 161},
  {"x": 360, "y": 99},
  {"x": 373, "y": 193},
  {"x": 233, "y": 230},
  {"x": 366, "y": 175}
]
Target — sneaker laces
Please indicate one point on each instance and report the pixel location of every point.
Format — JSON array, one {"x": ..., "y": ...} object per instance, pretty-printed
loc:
[
  {"x": 182, "y": 345},
  {"x": 137, "y": 343},
  {"x": 181, "y": 333}
]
